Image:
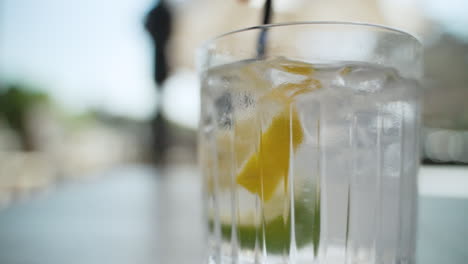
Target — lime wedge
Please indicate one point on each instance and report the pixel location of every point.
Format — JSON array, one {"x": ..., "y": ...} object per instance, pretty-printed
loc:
[{"x": 277, "y": 232}]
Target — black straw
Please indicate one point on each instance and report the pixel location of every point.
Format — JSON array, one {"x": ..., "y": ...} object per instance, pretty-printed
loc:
[
  {"x": 261, "y": 45},
  {"x": 267, "y": 12}
]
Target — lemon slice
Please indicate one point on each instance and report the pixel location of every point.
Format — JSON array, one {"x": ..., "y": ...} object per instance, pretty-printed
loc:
[
  {"x": 267, "y": 167},
  {"x": 294, "y": 67}
]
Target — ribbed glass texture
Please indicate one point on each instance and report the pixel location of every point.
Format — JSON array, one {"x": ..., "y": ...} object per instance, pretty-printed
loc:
[{"x": 310, "y": 153}]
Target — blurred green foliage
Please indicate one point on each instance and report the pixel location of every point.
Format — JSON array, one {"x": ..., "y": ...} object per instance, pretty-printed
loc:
[{"x": 15, "y": 102}]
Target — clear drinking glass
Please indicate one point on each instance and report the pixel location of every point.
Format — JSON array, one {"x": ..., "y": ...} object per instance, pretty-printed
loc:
[{"x": 310, "y": 153}]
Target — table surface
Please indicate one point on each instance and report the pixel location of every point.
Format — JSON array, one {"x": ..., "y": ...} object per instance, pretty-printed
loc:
[{"x": 133, "y": 215}]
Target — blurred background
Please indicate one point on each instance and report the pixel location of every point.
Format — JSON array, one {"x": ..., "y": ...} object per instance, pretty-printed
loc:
[{"x": 99, "y": 109}]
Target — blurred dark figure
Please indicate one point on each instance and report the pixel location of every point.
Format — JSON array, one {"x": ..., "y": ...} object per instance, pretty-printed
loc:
[{"x": 158, "y": 23}]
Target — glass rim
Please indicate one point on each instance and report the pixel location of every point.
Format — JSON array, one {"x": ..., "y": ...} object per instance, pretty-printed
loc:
[{"x": 210, "y": 41}]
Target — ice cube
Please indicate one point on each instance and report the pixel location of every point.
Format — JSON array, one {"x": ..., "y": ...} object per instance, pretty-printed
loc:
[
  {"x": 365, "y": 79},
  {"x": 282, "y": 70}
]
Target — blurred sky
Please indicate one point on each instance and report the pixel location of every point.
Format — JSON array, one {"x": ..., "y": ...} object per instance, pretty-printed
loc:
[
  {"x": 450, "y": 14},
  {"x": 87, "y": 53}
]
